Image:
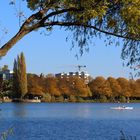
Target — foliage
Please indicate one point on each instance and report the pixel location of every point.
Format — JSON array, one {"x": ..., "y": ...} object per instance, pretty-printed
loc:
[
  {"x": 122, "y": 99},
  {"x": 99, "y": 86},
  {"x": 86, "y": 20},
  {"x": 78, "y": 87},
  {"x": 20, "y": 77},
  {"x": 53, "y": 99},
  {"x": 51, "y": 86},
  {"x": 46, "y": 97},
  {"x": 58, "y": 86},
  {"x": 64, "y": 86},
  {"x": 120, "y": 88},
  {"x": 80, "y": 99},
  {"x": 53, "y": 89},
  {"x": 5, "y": 134},
  {"x": 74, "y": 88},
  {"x": 114, "y": 85},
  {"x": 60, "y": 99},
  {"x": 103, "y": 99},
  {"x": 73, "y": 98},
  {"x": 125, "y": 86},
  {"x": 6, "y": 88},
  {"x": 5, "y": 67}
]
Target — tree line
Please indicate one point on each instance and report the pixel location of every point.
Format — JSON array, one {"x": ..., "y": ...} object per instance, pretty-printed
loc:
[
  {"x": 73, "y": 89},
  {"x": 50, "y": 88},
  {"x": 98, "y": 89},
  {"x": 115, "y": 89}
]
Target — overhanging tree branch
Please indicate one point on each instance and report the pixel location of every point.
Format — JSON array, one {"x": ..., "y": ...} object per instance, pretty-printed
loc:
[
  {"x": 44, "y": 18},
  {"x": 88, "y": 26},
  {"x": 6, "y": 47},
  {"x": 28, "y": 26}
]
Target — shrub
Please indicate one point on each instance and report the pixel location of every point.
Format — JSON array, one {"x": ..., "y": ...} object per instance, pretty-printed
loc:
[
  {"x": 60, "y": 99},
  {"x": 53, "y": 99},
  {"x": 73, "y": 98},
  {"x": 103, "y": 99},
  {"x": 122, "y": 99},
  {"x": 80, "y": 99},
  {"x": 46, "y": 98}
]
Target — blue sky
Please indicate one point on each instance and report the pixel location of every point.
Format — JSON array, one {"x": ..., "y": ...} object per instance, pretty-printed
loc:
[{"x": 51, "y": 53}]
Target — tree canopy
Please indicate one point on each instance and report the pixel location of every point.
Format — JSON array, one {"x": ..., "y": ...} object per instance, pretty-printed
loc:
[
  {"x": 86, "y": 20},
  {"x": 73, "y": 89}
]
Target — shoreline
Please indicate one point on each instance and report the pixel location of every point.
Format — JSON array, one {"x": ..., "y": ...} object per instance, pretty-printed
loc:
[{"x": 39, "y": 101}]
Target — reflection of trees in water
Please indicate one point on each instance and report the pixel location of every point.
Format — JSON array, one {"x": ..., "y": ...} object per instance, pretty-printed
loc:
[
  {"x": 19, "y": 110},
  {"x": 85, "y": 112}
]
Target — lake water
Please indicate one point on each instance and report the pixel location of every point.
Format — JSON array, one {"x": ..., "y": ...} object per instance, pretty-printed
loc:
[{"x": 69, "y": 121}]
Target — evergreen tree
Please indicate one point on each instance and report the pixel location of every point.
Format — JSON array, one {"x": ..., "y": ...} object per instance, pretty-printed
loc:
[
  {"x": 23, "y": 75},
  {"x": 16, "y": 80},
  {"x": 20, "y": 77}
]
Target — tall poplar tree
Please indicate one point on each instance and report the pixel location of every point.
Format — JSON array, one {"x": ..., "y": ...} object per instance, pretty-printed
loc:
[
  {"x": 23, "y": 75},
  {"x": 15, "y": 80},
  {"x": 20, "y": 77}
]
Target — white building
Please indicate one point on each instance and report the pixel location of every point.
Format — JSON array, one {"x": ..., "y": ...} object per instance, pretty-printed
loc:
[
  {"x": 80, "y": 74},
  {"x": 6, "y": 74}
]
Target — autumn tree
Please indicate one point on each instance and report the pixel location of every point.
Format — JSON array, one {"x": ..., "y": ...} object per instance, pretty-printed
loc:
[
  {"x": 107, "y": 91},
  {"x": 78, "y": 87},
  {"x": 73, "y": 88},
  {"x": 35, "y": 85},
  {"x": 64, "y": 87},
  {"x": 125, "y": 87},
  {"x": 136, "y": 88},
  {"x": 86, "y": 20},
  {"x": 51, "y": 86},
  {"x": 99, "y": 87},
  {"x": 115, "y": 87},
  {"x": 20, "y": 77}
]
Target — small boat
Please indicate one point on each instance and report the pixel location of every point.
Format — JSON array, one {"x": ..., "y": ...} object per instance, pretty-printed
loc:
[{"x": 122, "y": 108}]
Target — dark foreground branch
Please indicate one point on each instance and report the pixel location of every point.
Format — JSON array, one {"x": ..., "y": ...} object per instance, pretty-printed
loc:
[{"x": 91, "y": 27}]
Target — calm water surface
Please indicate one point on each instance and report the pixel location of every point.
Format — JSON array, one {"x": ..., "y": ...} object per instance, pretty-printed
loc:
[{"x": 69, "y": 121}]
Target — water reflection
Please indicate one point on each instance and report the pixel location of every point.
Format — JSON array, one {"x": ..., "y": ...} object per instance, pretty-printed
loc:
[
  {"x": 84, "y": 111},
  {"x": 70, "y": 121},
  {"x": 19, "y": 113},
  {"x": 19, "y": 110}
]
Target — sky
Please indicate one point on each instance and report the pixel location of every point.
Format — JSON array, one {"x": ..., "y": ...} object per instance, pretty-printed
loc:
[{"x": 52, "y": 54}]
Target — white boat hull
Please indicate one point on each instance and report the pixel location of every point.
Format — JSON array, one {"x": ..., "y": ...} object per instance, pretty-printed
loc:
[{"x": 122, "y": 108}]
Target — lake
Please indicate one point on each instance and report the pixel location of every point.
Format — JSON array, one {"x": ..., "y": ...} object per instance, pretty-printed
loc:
[{"x": 69, "y": 121}]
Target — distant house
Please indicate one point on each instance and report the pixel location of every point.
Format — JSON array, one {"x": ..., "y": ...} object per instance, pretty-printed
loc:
[{"x": 6, "y": 74}]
